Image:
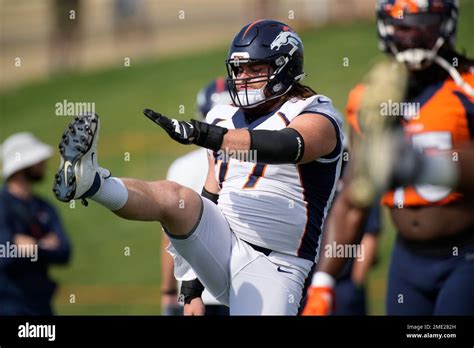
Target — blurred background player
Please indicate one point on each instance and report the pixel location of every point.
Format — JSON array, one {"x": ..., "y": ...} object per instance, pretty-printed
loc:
[
  {"x": 27, "y": 220},
  {"x": 190, "y": 170},
  {"x": 350, "y": 289},
  {"x": 350, "y": 283},
  {"x": 431, "y": 271}
]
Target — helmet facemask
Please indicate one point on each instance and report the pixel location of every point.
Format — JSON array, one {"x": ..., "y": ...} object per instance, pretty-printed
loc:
[
  {"x": 434, "y": 27},
  {"x": 415, "y": 39},
  {"x": 242, "y": 90}
]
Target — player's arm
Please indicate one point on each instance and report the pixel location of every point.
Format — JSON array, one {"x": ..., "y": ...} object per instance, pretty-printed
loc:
[
  {"x": 465, "y": 182},
  {"x": 309, "y": 136},
  {"x": 211, "y": 185},
  {"x": 54, "y": 247},
  {"x": 362, "y": 266},
  {"x": 343, "y": 226}
]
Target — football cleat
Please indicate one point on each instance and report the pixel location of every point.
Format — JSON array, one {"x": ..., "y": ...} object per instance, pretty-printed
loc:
[
  {"x": 385, "y": 83},
  {"x": 78, "y": 175}
]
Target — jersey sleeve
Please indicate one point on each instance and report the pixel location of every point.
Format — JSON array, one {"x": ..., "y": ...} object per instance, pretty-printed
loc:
[
  {"x": 6, "y": 233},
  {"x": 62, "y": 253},
  {"x": 322, "y": 105},
  {"x": 373, "y": 224},
  {"x": 467, "y": 103},
  {"x": 353, "y": 106}
]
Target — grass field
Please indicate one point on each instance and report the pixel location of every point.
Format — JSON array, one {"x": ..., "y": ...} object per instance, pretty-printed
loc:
[{"x": 101, "y": 278}]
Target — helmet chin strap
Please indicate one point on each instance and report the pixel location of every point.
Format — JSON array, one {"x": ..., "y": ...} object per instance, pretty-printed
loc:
[
  {"x": 418, "y": 58},
  {"x": 455, "y": 75}
]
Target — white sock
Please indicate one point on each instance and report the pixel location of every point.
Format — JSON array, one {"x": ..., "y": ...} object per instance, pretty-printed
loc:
[
  {"x": 112, "y": 194},
  {"x": 323, "y": 279}
]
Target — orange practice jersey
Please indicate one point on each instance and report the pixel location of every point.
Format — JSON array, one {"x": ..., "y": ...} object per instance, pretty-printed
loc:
[{"x": 444, "y": 121}]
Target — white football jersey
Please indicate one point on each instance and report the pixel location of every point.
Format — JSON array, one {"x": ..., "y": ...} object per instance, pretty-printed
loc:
[{"x": 280, "y": 207}]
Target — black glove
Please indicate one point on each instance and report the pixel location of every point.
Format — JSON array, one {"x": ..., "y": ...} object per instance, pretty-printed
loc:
[{"x": 194, "y": 132}]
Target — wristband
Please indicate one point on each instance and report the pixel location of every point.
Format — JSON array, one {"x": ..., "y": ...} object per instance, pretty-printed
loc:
[
  {"x": 209, "y": 195},
  {"x": 191, "y": 289},
  {"x": 208, "y": 135}
]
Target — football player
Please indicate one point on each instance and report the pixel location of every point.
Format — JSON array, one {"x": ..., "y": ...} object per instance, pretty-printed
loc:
[
  {"x": 350, "y": 287},
  {"x": 274, "y": 161},
  {"x": 191, "y": 170},
  {"x": 431, "y": 271}
]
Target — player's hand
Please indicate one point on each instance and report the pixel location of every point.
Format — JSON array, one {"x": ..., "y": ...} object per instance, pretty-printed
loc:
[
  {"x": 193, "y": 132},
  {"x": 320, "y": 301},
  {"x": 24, "y": 240},
  {"x": 321, "y": 297},
  {"x": 195, "y": 307},
  {"x": 181, "y": 131},
  {"x": 49, "y": 242}
]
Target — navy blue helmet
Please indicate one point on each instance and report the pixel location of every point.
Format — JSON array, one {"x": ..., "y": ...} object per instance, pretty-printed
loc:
[
  {"x": 215, "y": 93},
  {"x": 264, "y": 42}
]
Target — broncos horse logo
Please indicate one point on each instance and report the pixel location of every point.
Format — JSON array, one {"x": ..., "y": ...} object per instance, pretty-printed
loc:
[{"x": 283, "y": 39}]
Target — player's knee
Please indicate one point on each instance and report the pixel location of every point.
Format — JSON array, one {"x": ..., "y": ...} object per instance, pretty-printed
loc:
[
  {"x": 177, "y": 202},
  {"x": 167, "y": 194}
]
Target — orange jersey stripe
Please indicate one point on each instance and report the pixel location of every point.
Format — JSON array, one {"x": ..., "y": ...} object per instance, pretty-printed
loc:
[{"x": 352, "y": 108}]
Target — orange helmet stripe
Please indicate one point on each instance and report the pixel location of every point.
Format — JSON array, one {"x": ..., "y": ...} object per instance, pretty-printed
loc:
[
  {"x": 250, "y": 26},
  {"x": 401, "y": 6}
]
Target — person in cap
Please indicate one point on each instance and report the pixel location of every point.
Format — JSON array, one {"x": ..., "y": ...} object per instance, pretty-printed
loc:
[{"x": 31, "y": 235}]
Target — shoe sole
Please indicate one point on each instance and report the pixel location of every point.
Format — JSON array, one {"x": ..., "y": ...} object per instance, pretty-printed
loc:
[{"x": 75, "y": 143}]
